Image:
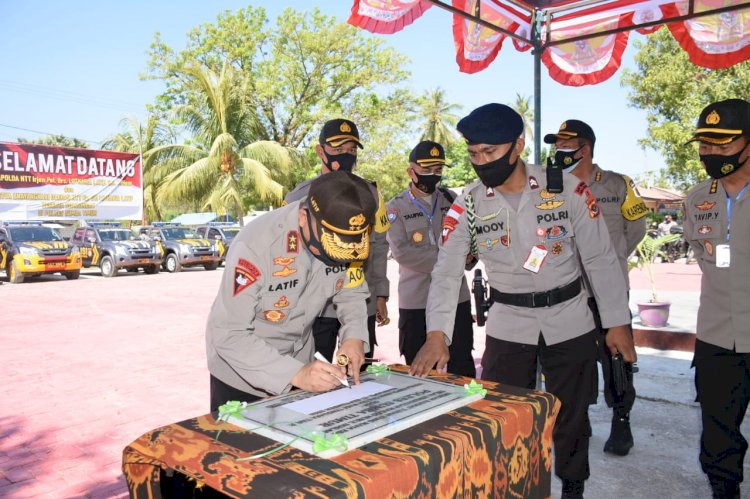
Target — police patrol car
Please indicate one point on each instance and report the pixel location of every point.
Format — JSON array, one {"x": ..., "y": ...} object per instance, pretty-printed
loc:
[
  {"x": 29, "y": 249},
  {"x": 181, "y": 246},
  {"x": 222, "y": 233},
  {"x": 112, "y": 247}
]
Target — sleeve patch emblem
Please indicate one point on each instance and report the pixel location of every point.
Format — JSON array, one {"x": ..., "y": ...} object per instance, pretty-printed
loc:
[{"x": 245, "y": 274}]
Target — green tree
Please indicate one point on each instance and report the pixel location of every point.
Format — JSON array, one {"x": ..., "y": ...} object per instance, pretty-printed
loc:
[
  {"x": 522, "y": 105},
  {"x": 295, "y": 75},
  {"x": 221, "y": 163},
  {"x": 438, "y": 117},
  {"x": 137, "y": 137},
  {"x": 673, "y": 91},
  {"x": 56, "y": 140},
  {"x": 461, "y": 172}
]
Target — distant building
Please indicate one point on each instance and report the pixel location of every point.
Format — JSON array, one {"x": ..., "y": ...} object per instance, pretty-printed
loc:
[{"x": 661, "y": 200}]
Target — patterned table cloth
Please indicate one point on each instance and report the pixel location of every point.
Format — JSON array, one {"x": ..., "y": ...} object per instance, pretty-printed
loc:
[{"x": 500, "y": 446}]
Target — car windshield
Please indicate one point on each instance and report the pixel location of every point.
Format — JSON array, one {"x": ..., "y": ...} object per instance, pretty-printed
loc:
[
  {"x": 33, "y": 233},
  {"x": 231, "y": 233},
  {"x": 179, "y": 233},
  {"x": 116, "y": 235}
]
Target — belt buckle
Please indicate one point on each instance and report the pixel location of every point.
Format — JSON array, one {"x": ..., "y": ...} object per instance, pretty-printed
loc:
[{"x": 540, "y": 299}]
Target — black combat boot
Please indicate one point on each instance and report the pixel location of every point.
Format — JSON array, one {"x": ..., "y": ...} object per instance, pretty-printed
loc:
[
  {"x": 620, "y": 438},
  {"x": 724, "y": 489},
  {"x": 572, "y": 489}
]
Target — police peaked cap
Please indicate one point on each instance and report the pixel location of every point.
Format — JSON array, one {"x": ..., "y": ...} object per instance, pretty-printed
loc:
[
  {"x": 339, "y": 131},
  {"x": 571, "y": 129},
  {"x": 491, "y": 124},
  {"x": 723, "y": 121},
  {"x": 427, "y": 153},
  {"x": 342, "y": 202}
]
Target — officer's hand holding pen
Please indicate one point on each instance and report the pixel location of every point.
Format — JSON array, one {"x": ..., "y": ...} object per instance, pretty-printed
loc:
[
  {"x": 620, "y": 340},
  {"x": 318, "y": 376},
  {"x": 434, "y": 351}
]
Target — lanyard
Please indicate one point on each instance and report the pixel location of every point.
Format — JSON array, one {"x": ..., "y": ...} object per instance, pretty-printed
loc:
[
  {"x": 729, "y": 206},
  {"x": 428, "y": 217}
]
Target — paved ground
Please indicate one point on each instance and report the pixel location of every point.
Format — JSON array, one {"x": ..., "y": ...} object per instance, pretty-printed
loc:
[{"x": 87, "y": 366}]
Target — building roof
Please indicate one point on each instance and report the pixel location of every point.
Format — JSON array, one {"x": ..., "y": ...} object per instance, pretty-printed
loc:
[{"x": 660, "y": 194}]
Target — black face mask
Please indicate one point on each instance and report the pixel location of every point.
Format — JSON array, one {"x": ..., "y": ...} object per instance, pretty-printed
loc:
[
  {"x": 718, "y": 166},
  {"x": 314, "y": 242},
  {"x": 427, "y": 183},
  {"x": 565, "y": 159},
  {"x": 496, "y": 172},
  {"x": 346, "y": 161}
]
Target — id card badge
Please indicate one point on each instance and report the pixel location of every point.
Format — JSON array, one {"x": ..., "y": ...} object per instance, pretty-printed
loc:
[
  {"x": 722, "y": 255},
  {"x": 536, "y": 257}
]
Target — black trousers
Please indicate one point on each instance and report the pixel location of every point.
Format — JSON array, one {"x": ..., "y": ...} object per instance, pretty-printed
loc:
[
  {"x": 623, "y": 404},
  {"x": 412, "y": 334},
  {"x": 722, "y": 381},
  {"x": 221, "y": 393},
  {"x": 326, "y": 334},
  {"x": 570, "y": 374}
]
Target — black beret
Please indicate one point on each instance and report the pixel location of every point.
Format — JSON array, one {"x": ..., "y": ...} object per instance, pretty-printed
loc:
[
  {"x": 427, "y": 153},
  {"x": 344, "y": 207},
  {"x": 723, "y": 121},
  {"x": 571, "y": 129},
  {"x": 339, "y": 131},
  {"x": 491, "y": 124}
]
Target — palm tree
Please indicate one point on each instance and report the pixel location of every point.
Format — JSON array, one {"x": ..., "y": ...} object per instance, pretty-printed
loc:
[
  {"x": 523, "y": 107},
  {"x": 223, "y": 165},
  {"x": 439, "y": 118},
  {"x": 137, "y": 138}
]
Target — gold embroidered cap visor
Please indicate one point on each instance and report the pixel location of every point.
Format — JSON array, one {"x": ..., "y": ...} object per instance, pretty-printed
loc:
[
  {"x": 723, "y": 122},
  {"x": 344, "y": 208}
]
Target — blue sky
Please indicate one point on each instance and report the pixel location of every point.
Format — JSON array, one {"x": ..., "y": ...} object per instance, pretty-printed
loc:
[{"x": 71, "y": 67}]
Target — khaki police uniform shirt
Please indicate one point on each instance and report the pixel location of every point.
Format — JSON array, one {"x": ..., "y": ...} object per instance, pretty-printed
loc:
[
  {"x": 376, "y": 266},
  {"x": 623, "y": 211},
  {"x": 569, "y": 225},
  {"x": 259, "y": 331},
  {"x": 723, "y": 313},
  {"x": 413, "y": 247}
]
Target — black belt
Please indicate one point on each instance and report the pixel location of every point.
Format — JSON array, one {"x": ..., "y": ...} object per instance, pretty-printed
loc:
[{"x": 539, "y": 298}]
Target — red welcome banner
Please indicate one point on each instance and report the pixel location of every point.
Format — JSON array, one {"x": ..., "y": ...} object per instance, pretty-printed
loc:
[{"x": 55, "y": 183}]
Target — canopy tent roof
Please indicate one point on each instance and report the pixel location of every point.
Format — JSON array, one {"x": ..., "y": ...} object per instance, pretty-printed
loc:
[{"x": 581, "y": 42}]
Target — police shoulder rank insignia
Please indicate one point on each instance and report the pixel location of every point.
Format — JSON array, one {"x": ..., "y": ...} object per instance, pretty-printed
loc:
[
  {"x": 245, "y": 274},
  {"x": 392, "y": 214},
  {"x": 355, "y": 274},
  {"x": 292, "y": 241},
  {"x": 533, "y": 183}
]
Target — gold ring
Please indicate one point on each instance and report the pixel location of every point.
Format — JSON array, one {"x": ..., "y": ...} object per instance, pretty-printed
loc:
[
  {"x": 342, "y": 360},
  {"x": 385, "y": 322}
]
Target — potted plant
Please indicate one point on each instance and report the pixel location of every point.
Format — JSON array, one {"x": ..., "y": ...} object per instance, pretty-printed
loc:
[{"x": 653, "y": 313}]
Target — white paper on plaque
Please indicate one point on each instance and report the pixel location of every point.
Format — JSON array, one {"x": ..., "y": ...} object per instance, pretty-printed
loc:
[{"x": 337, "y": 397}]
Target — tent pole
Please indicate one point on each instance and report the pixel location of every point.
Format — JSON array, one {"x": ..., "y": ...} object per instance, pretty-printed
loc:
[{"x": 537, "y": 42}]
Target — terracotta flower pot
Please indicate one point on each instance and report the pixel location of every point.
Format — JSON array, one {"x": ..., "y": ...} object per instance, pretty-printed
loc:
[{"x": 654, "y": 314}]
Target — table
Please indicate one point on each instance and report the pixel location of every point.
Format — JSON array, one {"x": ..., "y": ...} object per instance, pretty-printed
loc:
[{"x": 499, "y": 446}]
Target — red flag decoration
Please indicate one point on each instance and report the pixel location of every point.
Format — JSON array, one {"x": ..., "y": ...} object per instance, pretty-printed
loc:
[{"x": 571, "y": 49}]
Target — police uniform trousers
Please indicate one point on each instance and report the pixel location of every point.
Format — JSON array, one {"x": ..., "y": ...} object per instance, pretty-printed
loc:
[
  {"x": 622, "y": 405},
  {"x": 412, "y": 335},
  {"x": 570, "y": 374},
  {"x": 722, "y": 382},
  {"x": 326, "y": 335}
]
